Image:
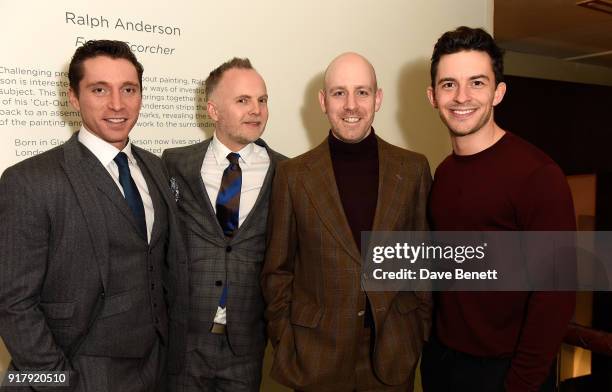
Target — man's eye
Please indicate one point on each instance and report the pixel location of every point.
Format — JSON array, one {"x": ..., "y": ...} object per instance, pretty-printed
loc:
[
  {"x": 242, "y": 100},
  {"x": 337, "y": 94},
  {"x": 478, "y": 83},
  {"x": 263, "y": 100},
  {"x": 448, "y": 85},
  {"x": 98, "y": 90},
  {"x": 363, "y": 93}
]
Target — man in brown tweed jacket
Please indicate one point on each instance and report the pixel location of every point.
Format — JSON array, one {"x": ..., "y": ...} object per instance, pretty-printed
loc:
[{"x": 328, "y": 334}]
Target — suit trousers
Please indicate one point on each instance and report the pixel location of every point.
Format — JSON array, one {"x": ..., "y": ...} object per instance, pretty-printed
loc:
[
  {"x": 210, "y": 365},
  {"x": 97, "y": 373},
  {"x": 364, "y": 379},
  {"x": 446, "y": 370}
]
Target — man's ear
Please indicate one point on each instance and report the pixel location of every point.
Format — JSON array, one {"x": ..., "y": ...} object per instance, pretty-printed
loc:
[
  {"x": 211, "y": 109},
  {"x": 378, "y": 98},
  {"x": 500, "y": 91},
  {"x": 74, "y": 99},
  {"x": 431, "y": 95},
  {"x": 322, "y": 100}
]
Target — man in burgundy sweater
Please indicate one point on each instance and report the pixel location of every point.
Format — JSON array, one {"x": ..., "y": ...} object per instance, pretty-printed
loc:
[
  {"x": 491, "y": 341},
  {"x": 328, "y": 334}
]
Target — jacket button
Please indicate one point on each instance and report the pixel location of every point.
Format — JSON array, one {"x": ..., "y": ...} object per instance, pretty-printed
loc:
[
  {"x": 218, "y": 283},
  {"x": 228, "y": 248},
  {"x": 360, "y": 313},
  {"x": 152, "y": 286}
]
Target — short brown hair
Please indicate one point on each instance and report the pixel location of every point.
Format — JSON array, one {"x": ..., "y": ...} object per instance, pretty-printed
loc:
[
  {"x": 215, "y": 75},
  {"x": 95, "y": 48}
]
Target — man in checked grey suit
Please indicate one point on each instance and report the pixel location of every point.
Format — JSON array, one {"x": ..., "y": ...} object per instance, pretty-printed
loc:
[
  {"x": 89, "y": 243},
  {"x": 222, "y": 187}
]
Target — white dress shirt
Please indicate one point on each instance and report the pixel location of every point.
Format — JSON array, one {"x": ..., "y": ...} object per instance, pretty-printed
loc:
[
  {"x": 105, "y": 153},
  {"x": 254, "y": 163}
]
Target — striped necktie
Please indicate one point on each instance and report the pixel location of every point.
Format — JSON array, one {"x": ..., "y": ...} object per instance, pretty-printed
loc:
[{"x": 228, "y": 199}]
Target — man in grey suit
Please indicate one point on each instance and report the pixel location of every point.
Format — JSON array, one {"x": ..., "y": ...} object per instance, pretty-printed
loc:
[
  {"x": 222, "y": 187},
  {"x": 89, "y": 245}
]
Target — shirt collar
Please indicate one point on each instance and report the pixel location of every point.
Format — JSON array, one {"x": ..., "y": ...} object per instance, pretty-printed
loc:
[
  {"x": 104, "y": 151},
  {"x": 220, "y": 151}
]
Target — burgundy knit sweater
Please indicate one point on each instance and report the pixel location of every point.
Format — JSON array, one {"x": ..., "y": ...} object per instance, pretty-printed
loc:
[{"x": 509, "y": 186}]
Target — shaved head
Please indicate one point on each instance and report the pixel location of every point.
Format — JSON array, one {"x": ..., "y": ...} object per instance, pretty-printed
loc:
[
  {"x": 349, "y": 61},
  {"x": 350, "y": 97}
]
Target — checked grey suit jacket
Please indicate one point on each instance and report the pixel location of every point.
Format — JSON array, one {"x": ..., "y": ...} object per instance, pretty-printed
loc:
[
  {"x": 215, "y": 260},
  {"x": 64, "y": 291}
]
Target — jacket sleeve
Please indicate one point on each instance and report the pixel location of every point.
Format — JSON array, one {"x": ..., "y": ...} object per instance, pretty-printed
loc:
[
  {"x": 420, "y": 223},
  {"x": 422, "y": 198},
  {"x": 25, "y": 237},
  {"x": 278, "y": 269}
]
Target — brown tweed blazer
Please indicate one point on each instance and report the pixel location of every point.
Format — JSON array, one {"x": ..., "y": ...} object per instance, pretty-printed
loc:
[{"x": 312, "y": 273}]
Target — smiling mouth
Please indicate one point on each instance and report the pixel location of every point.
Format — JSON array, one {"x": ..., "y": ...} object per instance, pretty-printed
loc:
[
  {"x": 351, "y": 119},
  {"x": 463, "y": 112},
  {"x": 253, "y": 123},
  {"x": 116, "y": 120}
]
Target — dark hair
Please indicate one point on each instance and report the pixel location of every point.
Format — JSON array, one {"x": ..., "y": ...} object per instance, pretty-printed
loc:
[
  {"x": 464, "y": 39},
  {"x": 95, "y": 48},
  {"x": 215, "y": 75}
]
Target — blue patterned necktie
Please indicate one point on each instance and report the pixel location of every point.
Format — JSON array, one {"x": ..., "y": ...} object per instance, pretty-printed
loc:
[
  {"x": 228, "y": 204},
  {"x": 228, "y": 199},
  {"x": 132, "y": 196}
]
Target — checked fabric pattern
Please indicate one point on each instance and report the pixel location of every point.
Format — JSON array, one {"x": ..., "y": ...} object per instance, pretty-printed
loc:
[{"x": 228, "y": 204}]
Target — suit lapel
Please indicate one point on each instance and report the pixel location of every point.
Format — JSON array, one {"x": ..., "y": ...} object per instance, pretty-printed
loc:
[
  {"x": 390, "y": 185},
  {"x": 263, "y": 192},
  {"x": 100, "y": 177},
  {"x": 322, "y": 190},
  {"x": 157, "y": 185},
  {"x": 194, "y": 180},
  {"x": 77, "y": 170}
]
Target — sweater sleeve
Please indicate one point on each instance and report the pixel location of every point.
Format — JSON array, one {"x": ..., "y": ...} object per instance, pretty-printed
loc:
[{"x": 544, "y": 203}]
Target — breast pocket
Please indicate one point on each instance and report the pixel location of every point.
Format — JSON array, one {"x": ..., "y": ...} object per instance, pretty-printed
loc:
[{"x": 116, "y": 304}]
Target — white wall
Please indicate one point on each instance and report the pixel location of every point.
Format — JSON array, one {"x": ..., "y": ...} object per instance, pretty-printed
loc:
[{"x": 290, "y": 43}]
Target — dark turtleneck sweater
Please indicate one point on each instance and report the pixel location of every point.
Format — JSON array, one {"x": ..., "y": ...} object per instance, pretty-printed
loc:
[{"x": 356, "y": 171}]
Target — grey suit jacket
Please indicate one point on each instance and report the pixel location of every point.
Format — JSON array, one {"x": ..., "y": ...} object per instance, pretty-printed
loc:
[
  {"x": 215, "y": 260},
  {"x": 55, "y": 257}
]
